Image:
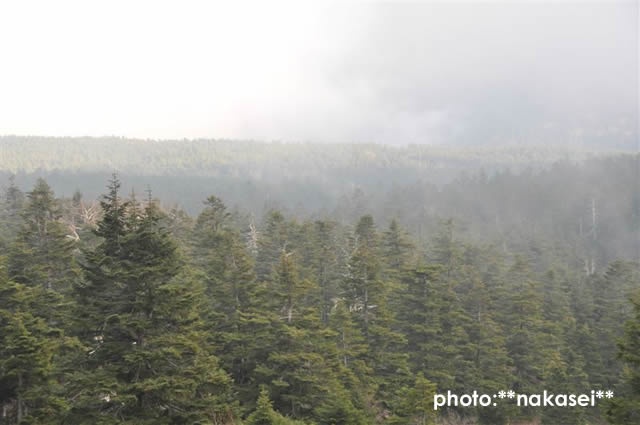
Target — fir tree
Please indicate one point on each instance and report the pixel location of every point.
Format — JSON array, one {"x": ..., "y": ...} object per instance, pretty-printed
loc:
[
  {"x": 325, "y": 265},
  {"x": 397, "y": 248},
  {"x": 274, "y": 238},
  {"x": 42, "y": 252},
  {"x": 141, "y": 317},
  {"x": 11, "y": 206},
  {"x": 625, "y": 407},
  {"x": 366, "y": 295},
  {"x": 265, "y": 415},
  {"x": 417, "y": 405},
  {"x": 32, "y": 353}
]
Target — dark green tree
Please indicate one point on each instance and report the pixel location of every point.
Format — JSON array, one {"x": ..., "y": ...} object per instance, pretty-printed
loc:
[
  {"x": 625, "y": 407},
  {"x": 140, "y": 315},
  {"x": 366, "y": 295},
  {"x": 265, "y": 415},
  {"x": 42, "y": 253},
  {"x": 11, "y": 205},
  {"x": 32, "y": 354},
  {"x": 273, "y": 238}
]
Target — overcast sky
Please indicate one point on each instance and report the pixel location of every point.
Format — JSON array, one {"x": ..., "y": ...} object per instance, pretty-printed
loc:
[{"x": 420, "y": 72}]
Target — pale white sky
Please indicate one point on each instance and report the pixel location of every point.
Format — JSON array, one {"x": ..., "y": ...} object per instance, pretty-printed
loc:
[{"x": 381, "y": 72}]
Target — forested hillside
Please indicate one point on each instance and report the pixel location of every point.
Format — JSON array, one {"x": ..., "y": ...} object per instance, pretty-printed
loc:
[
  {"x": 319, "y": 213},
  {"x": 540, "y": 199},
  {"x": 349, "y": 294},
  {"x": 259, "y": 176}
]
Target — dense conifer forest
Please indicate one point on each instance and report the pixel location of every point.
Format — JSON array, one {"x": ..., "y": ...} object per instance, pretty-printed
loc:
[{"x": 339, "y": 285}]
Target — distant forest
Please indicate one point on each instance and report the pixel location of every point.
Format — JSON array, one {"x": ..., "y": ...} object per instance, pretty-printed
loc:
[
  {"x": 521, "y": 198},
  {"x": 221, "y": 282},
  {"x": 307, "y": 178}
]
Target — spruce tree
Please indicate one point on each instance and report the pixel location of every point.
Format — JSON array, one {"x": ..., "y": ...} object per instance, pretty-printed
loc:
[
  {"x": 397, "y": 248},
  {"x": 11, "y": 205},
  {"x": 417, "y": 404},
  {"x": 524, "y": 325},
  {"x": 625, "y": 407},
  {"x": 273, "y": 239},
  {"x": 228, "y": 269},
  {"x": 265, "y": 415},
  {"x": 421, "y": 323},
  {"x": 32, "y": 354},
  {"x": 366, "y": 295},
  {"x": 42, "y": 253},
  {"x": 325, "y": 266},
  {"x": 293, "y": 368},
  {"x": 140, "y": 312}
]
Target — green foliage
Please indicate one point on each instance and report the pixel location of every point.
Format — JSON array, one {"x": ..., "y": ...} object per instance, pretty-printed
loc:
[
  {"x": 265, "y": 415},
  {"x": 42, "y": 253},
  {"x": 141, "y": 317},
  {"x": 625, "y": 408},
  {"x": 157, "y": 318},
  {"x": 31, "y": 353},
  {"x": 11, "y": 206},
  {"x": 417, "y": 403}
]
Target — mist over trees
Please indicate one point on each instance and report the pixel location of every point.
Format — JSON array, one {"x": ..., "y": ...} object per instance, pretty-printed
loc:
[
  {"x": 346, "y": 288},
  {"x": 319, "y": 213},
  {"x": 517, "y": 197}
]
